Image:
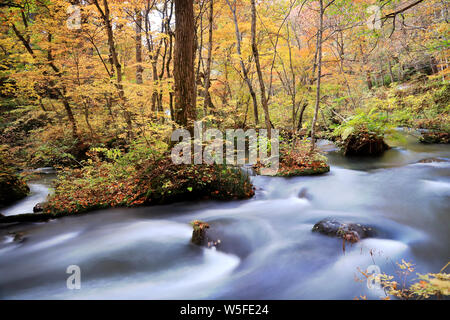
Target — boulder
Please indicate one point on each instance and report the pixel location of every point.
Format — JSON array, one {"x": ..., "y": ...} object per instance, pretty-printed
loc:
[
  {"x": 351, "y": 232},
  {"x": 39, "y": 207},
  {"x": 364, "y": 144}
]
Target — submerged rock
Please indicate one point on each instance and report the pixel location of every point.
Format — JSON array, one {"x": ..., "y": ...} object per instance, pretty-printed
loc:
[
  {"x": 351, "y": 232},
  {"x": 304, "y": 194},
  {"x": 431, "y": 160},
  {"x": 18, "y": 236}
]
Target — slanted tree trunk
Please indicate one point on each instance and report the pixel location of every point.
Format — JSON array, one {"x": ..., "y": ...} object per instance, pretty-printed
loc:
[{"x": 184, "y": 74}]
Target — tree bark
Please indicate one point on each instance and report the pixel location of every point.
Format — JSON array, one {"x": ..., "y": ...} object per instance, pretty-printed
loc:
[
  {"x": 319, "y": 75},
  {"x": 115, "y": 61},
  {"x": 258, "y": 70},
  {"x": 207, "y": 96},
  {"x": 244, "y": 69},
  {"x": 184, "y": 74},
  {"x": 139, "y": 68}
]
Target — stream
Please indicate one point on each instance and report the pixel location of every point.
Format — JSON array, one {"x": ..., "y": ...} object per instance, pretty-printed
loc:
[{"x": 267, "y": 249}]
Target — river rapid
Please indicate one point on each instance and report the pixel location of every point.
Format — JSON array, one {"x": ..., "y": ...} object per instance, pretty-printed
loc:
[{"x": 267, "y": 249}]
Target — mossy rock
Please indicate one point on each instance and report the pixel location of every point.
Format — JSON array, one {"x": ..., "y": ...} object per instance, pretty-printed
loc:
[
  {"x": 349, "y": 231},
  {"x": 12, "y": 188},
  {"x": 156, "y": 182},
  {"x": 363, "y": 144},
  {"x": 429, "y": 137},
  {"x": 164, "y": 182}
]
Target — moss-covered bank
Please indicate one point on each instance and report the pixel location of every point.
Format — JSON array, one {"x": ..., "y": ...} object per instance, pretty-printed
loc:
[{"x": 105, "y": 185}]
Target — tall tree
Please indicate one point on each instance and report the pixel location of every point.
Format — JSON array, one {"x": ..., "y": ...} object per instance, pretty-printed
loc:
[
  {"x": 322, "y": 9},
  {"x": 139, "y": 68},
  {"x": 184, "y": 75},
  {"x": 105, "y": 15},
  {"x": 241, "y": 61},
  {"x": 207, "y": 96},
  {"x": 259, "y": 72}
]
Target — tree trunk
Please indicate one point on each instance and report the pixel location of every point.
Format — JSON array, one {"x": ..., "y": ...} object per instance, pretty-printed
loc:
[
  {"x": 184, "y": 75},
  {"x": 391, "y": 75},
  {"x": 319, "y": 75},
  {"x": 258, "y": 70},
  {"x": 244, "y": 69},
  {"x": 300, "y": 119},
  {"x": 139, "y": 69},
  {"x": 115, "y": 61},
  {"x": 207, "y": 101}
]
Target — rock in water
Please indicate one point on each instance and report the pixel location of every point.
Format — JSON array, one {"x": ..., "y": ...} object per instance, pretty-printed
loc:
[
  {"x": 431, "y": 160},
  {"x": 200, "y": 236},
  {"x": 364, "y": 144},
  {"x": 351, "y": 232},
  {"x": 199, "y": 232},
  {"x": 304, "y": 194},
  {"x": 39, "y": 207}
]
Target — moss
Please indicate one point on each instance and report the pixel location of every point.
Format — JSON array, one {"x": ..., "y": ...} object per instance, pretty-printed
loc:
[
  {"x": 320, "y": 168},
  {"x": 363, "y": 143},
  {"x": 435, "y": 137},
  {"x": 199, "y": 232},
  {"x": 164, "y": 182},
  {"x": 104, "y": 185},
  {"x": 300, "y": 161}
]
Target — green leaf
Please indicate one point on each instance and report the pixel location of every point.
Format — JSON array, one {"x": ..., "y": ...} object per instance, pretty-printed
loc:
[
  {"x": 348, "y": 131},
  {"x": 190, "y": 189}
]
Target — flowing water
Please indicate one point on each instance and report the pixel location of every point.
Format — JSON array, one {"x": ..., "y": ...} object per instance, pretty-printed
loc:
[{"x": 267, "y": 249}]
